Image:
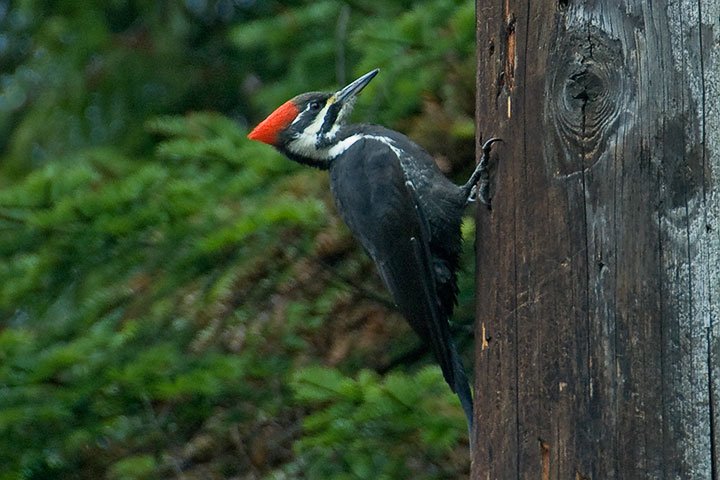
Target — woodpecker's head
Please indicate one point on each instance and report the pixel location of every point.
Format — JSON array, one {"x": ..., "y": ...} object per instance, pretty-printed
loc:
[{"x": 306, "y": 126}]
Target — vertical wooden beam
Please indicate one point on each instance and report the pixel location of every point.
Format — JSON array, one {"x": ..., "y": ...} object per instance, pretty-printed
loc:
[{"x": 598, "y": 289}]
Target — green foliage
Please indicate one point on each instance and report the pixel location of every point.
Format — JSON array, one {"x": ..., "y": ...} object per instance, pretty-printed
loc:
[
  {"x": 171, "y": 294},
  {"x": 133, "y": 468},
  {"x": 433, "y": 40},
  {"x": 376, "y": 428},
  {"x": 107, "y": 296}
]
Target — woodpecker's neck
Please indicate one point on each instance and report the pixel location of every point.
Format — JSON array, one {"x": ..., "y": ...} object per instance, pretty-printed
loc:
[
  {"x": 322, "y": 164},
  {"x": 317, "y": 148},
  {"x": 312, "y": 149},
  {"x": 321, "y": 153}
]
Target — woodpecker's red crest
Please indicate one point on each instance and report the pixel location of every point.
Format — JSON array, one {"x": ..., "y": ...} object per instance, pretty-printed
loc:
[{"x": 268, "y": 129}]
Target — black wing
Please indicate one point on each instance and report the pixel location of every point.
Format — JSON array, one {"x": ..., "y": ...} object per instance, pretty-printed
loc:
[{"x": 380, "y": 207}]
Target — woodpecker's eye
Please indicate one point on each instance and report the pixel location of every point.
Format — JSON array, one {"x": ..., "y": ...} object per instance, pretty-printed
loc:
[{"x": 314, "y": 106}]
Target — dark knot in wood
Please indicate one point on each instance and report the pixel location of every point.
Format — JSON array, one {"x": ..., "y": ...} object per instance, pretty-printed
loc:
[{"x": 586, "y": 93}]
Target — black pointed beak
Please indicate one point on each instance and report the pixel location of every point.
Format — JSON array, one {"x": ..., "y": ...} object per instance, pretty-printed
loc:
[{"x": 354, "y": 88}]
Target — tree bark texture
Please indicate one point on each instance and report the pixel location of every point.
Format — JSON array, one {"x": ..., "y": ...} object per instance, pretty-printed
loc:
[{"x": 598, "y": 288}]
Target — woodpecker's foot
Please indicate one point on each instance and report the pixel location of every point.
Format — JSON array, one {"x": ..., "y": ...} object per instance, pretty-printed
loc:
[
  {"x": 480, "y": 192},
  {"x": 479, "y": 183}
]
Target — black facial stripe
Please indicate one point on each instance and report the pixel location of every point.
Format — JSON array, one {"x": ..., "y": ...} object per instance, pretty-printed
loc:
[
  {"x": 330, "y": 118},
  {"x": 305, "y": 118}
]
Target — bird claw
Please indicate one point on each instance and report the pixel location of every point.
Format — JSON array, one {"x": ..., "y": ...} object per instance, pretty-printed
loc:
[
  {"x": 487, "y": 146},
  {"x": 480, "y": 180},
  {"x": 473, "y": 195},
  {"x": 480, "y": 192}
]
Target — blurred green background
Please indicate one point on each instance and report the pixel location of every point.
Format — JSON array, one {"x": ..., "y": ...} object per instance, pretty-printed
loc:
[{"x": 179, "y": 302}]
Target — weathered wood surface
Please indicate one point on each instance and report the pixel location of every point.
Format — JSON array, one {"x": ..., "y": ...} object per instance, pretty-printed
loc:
[{"x": 598, "y": 302}]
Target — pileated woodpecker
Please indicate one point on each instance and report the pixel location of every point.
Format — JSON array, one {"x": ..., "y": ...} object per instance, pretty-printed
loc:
[{"x": 396, "y": 201}]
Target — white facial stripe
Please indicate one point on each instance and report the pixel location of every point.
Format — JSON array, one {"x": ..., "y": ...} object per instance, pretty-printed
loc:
[
  {"x": 305, "y": 143},
  {"x": 297, "y": 119},
  {"x": 316, "y": 124},
  {"x": 305, "y": 112}
]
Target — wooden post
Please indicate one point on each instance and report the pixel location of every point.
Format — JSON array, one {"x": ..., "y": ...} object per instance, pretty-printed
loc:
[{"x": 598, "y": 268}]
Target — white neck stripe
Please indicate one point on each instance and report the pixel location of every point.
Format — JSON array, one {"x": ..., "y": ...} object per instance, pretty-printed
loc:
[{"x": 342, "y": 146}]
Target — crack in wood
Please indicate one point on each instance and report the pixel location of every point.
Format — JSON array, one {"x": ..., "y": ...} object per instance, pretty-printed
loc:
[
  {"x": 545, "y": 461},
  {"x": 510, "y": 59}
]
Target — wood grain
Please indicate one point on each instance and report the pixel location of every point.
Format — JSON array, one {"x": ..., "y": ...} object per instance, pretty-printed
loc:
[{"x": 598, "y": 268}]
